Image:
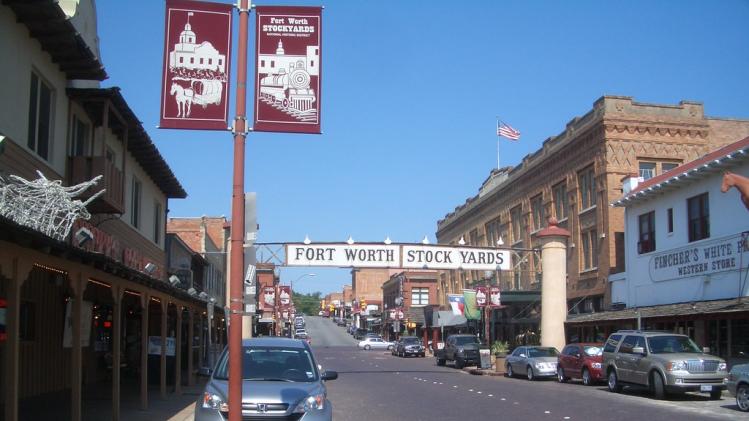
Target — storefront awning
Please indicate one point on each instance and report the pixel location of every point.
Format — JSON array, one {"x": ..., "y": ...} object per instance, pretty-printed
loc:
[
  {"x": 447, "y": 318},
  {"x": 667, "y": 310}
]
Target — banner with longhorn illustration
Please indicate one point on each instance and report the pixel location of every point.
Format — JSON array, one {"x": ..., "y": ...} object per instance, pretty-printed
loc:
[
  {"x": 288, "y": 52},
  {"x": 195, "y": 76}
]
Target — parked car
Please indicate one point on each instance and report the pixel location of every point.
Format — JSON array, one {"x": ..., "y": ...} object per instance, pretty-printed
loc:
[
  {"x": 281, "y": 378},
  {"x": 581, "y": 361},
  {"x": 360, "y": 332},
  {"x": 533, "y": 361},
  {"x": 738, "y": 385},
  {"x": 372, "y": 335},
  {"x": 663, "y": 362},
  {"x": 409, "y": 345},
  {"x": 375, "y": 343},
  {"x": 463, "y": 349},
  {"x": 394, "y": 349}
]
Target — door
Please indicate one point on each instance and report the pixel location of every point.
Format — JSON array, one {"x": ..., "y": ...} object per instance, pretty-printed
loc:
[{"x": 626, "y": 360}]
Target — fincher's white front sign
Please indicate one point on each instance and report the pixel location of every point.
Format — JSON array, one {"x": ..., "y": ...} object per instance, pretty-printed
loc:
[{"x": 410, "y": 256}]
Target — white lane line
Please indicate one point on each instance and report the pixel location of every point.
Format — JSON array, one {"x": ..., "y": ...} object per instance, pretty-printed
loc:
[
  {"x": 441, "y": 383},
  {"x": 479, "y": 392},
  {"x": 503, "y": 399},
  {"x": 470, "y": 390},
  {"x": 455, "y": 387},
  {"x": 547, "y": 412},
  {"x": 490, "y": 395},
  {"x": 434, "y": 382},
  {"x": 566, "y": 418},
  {"x": 514, "y": 403}
]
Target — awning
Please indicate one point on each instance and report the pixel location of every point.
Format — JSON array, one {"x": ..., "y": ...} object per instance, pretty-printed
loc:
[
  {"x": 447, "y": 318},
  {"x": 696, "y": 308}
]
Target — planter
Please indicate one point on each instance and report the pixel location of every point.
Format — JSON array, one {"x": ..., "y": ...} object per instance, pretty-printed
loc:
[{"x": 499, "y": 363}]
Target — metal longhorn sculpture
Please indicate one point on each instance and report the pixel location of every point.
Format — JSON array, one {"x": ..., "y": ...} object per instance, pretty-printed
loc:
[
  {"x": 741, "y": 184},
  {"x": 45, "y": 205}
]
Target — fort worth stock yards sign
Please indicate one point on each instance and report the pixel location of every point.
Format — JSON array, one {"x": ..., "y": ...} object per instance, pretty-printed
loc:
[{"x": 408, "y": 256}]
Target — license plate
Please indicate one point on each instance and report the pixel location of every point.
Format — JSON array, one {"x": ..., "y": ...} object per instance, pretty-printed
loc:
[{"x": 706, "y": 388}]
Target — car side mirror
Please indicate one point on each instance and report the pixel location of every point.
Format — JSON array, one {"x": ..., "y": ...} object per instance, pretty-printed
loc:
[
  {"x": 638, "y": 350},
  {"x": 205, "y": 372},
  {"x": 329, "y": 375},
  {"x": 522, "y": 355}
]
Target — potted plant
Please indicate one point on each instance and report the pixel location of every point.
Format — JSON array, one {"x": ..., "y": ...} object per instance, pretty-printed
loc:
[{"x": 499, "y": 350}]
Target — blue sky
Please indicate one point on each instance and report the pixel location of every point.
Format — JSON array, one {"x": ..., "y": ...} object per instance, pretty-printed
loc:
[{"x": 411, "y": 90}]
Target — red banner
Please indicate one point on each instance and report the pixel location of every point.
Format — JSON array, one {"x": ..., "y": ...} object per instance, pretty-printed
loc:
[
  {"x": 288, "y": 69},
  {"x": 494, "y": 297},
  {"x": 195, "y": 76},
  {"x": 480, "y": 296},
  {"x": 269, "y": 298},
  {"x": 284, "y": 296}
]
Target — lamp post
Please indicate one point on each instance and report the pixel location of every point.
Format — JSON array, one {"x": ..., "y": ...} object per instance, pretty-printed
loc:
[{"x": 297, "y": 279}]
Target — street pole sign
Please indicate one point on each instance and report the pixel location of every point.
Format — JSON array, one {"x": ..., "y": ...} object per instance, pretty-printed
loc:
[{"x": 288, "y": 56}]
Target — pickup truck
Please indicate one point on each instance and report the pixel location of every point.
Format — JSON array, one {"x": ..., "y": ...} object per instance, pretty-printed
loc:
[{"x": 462, "y": 349}]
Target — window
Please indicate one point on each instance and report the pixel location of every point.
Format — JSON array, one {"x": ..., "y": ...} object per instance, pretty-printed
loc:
[
  {"x": 419, "y": 296},
  {"x": 181, "y": 59},
  {"x": 590, "y": 249},
  {"x": 135, "y": 203},
  {"x": 647, "y": 170},
  {"x": 515, "y": 220},
  {"x": 670, "y": 219},
  {"x": 40, "y": 116},
  {"x": 192, "y": 60},
  {"x": 647, "y": 233},
  {"x": 210, "y": 61},
  {"x": 201, "y": 60},
  {"x": 110, "y": 155},
  {"x": 668, "y": 166},
  {"x": 698, "y": 216},
  {"x": 537, "y": 210},
  {"x": 492, "y": 232},
  {"x": 630, "y": 342},
  {"x": 587, "y": 186},
  {"x": 312, "y": 63},
  {"x": 157, "y": 222},
  {"x": 272, "y": 63},
  {"x": 611, "y": 343},
  {"x": 560, "y": 201},
  {"x": 79, "y": 137}
]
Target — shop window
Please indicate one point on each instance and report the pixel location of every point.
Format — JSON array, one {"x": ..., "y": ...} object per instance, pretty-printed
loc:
[
  {"x": 698, "y": 216},
  {"x": 27, "y": 321},
  {"x": 419, "y": 296},
  {"x": 40, "y": 116},
  {"x": 560, "y": 201},
  {"x": 647, "y": 233}
]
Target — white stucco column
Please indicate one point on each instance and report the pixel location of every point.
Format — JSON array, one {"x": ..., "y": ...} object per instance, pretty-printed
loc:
[{"x": 553, "y": 284}]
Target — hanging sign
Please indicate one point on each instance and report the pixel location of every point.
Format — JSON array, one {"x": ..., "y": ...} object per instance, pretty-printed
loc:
[
  {"x": 195, "y": 75},
  {"x": 288, "y": 49},
  {"x": 467, "y": 258},
  {"x": 494, "y": 297},
  {"x": 480, "y": 296},
  {"x": 284, "y": 296},
  {"x": 269, "y": 298},
  {"x": 343, "y": 255}
]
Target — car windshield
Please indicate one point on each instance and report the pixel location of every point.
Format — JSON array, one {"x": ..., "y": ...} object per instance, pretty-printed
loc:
[
  {"x": 271, "y": 364},
  {"x": 672, "y": 344},
  {"x": 463, "y": 340},
  {"x": 410, "y": 341},
  {"x": 593, "y": 350},
  {"x": 542, "y": 352}
]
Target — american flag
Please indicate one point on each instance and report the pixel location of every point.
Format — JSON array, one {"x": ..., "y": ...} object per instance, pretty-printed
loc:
[{"x": 505, "y": 130}]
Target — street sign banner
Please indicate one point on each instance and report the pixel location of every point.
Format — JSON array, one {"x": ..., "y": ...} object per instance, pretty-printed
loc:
[
  {"x": 195, "y": 74},
  {"x": 284, "y": 296},
  {"x": 269, "y": 298},
  {"x": 480, "y": 296},
  {"x": 288, "y": 52},
  {"x": 343, "y": 255},
  {"x": 467, "y": 258},
  {"x": 494, "y": 297}
]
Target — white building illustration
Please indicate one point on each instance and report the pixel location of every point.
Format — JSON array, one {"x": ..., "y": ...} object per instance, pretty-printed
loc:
[
  {"x": 285, "y": 81},
  {"x": 273, "y": 63},
  {"x": 189, "y": 55}
]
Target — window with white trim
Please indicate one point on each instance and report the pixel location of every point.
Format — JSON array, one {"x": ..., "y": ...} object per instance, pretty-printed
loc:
[
  {"x": 41, "y": 98},
  {"x": 419, "y": 296}
]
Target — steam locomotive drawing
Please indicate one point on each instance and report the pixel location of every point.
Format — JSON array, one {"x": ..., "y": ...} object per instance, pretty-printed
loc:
[{"x": 290, "y": 91}]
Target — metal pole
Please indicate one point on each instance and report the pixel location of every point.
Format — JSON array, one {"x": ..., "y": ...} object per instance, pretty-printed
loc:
[{"x": 237, "y": 222}]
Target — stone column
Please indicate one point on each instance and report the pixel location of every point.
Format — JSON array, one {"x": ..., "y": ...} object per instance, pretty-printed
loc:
[
  {"x": 553, "y": 284},
  {"x": 145, "y": 301},
  {"x": 17, "y": 272}
]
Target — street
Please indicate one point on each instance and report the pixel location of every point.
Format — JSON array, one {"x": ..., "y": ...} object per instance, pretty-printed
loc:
[{"x": 373, "y": 385}]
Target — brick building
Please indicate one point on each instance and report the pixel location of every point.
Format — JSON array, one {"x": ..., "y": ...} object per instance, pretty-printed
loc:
[
  {"x": 414, "y": 294},
  {"x": 573, "y": 177}
]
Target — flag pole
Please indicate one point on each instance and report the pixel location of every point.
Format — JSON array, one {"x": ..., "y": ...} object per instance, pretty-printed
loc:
[{"x": 497, "y": 144}]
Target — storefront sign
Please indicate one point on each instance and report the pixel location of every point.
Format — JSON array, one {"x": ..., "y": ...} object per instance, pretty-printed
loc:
[
  {"x": 154, "y": 345},
  {"x": 343, "y": 255},
  {"x": 481, "y": 296},
  {"x": 288, "y": 53},
  {"x": 195, "y": 75},
  {"x": 706, "y": 258},
  {"x": 409, "y": 256}
]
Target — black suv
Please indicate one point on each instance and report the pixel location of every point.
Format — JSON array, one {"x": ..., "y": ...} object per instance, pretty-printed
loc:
[{"x": 409, "y": 345}]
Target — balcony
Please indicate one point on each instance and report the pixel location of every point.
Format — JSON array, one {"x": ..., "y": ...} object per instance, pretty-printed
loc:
[{"x": 84, "y": 168}]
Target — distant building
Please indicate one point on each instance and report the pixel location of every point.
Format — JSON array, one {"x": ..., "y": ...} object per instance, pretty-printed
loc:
[{"x": 409, "y": 299}]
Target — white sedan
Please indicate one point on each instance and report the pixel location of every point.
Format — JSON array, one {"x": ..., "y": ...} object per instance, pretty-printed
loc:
[{"x": 375, "y": 343}]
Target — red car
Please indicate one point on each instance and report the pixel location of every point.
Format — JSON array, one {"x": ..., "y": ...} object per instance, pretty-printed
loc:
[{"x": 581, "y": 361}]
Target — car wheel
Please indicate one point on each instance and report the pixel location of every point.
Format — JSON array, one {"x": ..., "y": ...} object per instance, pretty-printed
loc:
[
  {"x": 440, "y": 362},
  {"x": 390, "y": 348},
  {"x": 367, "y": 347},
  {"x": 529, "y": 373},
  {"x": 459, "y": 364},
  {"x": 613, "y": 382},
  {"x": 560, "y": 375},
  {"x": 742, "y": 397},
  {"x": 587, "y": 380},
  {"x": 659, "y": 390},
  {"x": 510, "y": 373}
]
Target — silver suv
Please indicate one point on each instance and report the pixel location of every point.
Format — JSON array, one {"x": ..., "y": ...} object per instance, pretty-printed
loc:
[{"x": 663, "y": 362}]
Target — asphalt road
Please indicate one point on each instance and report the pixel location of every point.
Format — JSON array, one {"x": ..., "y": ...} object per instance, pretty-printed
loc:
[{"x": 373, "y": 385}]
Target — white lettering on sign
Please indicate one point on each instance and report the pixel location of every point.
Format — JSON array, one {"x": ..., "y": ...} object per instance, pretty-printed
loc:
[
  {"x": 343, "y": 255},
  {"x": 469, "y": 258},
  {"x": 705, "y": 258}
]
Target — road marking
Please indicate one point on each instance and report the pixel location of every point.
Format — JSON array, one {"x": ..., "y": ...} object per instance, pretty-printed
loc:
[
  {"x": 470, "y": 390},
  {"x": 504, "y": 399},
  {"x": 490, "y": 395},
  {"x": 479, "y": 392},
  {"x": 455, "y": 387},
  {"x": 547, "y": 412},
  {"x": 434, "y": 382},
  {"x": 566, "y": 418},
  {"x": 440, "y": 382},
  {"x": 514, "y": 403}
]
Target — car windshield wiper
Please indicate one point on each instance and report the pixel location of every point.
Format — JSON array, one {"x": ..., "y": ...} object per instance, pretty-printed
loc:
[{"x": 269, "y": 379}]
